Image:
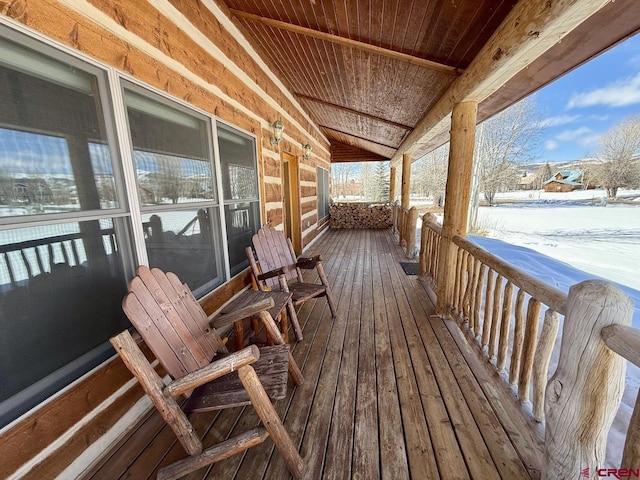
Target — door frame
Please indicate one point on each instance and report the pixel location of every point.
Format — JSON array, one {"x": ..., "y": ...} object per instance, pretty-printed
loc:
[{"x": 291, "y": 199}]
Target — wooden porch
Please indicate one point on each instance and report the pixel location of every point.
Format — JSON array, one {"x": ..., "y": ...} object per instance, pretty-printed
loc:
[{"x": 389, "y": 392}]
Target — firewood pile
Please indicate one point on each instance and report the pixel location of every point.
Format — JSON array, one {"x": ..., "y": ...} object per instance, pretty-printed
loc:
[{"x": 360, "y": 215}]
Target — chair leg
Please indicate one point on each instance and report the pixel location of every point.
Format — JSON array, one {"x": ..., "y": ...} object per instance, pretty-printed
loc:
[
  {"x": 284, "y": 325},
  {"x": 271, "y": 420},
  {"x": 294, "y": 320},
  {"x": 325, "y": 282},
  {"x": 238, "y": 333},
  {"x": 270, "y": 327}
]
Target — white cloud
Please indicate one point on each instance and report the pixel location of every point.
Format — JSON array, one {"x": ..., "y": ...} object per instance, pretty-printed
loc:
[
  {"x": 558, "y": 120},
  {"x": 574, "y": 135},
  {"x": 617, "y": 94},
  {"x": 589, "y": 140},
  {"x": 634, "y": 61},
  {"x": 551, "y": 145}
]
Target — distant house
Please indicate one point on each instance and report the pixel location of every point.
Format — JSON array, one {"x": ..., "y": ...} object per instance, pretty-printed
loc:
[
  {"x": 527, "y": 181},
  {"x": 564, "y": 181},
  {"x": 26, "y": 191}
]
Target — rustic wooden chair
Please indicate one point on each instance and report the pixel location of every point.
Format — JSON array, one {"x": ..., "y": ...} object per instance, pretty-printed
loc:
[
  {"x": 274, "y": 264},
  {"x": 177, "y": 331}
]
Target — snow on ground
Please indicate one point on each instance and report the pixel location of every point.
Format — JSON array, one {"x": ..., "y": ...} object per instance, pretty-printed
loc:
[{"x": 563, "y": 241}]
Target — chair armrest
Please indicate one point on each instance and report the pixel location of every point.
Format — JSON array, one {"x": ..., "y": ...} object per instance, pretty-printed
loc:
[
  {"x": 241, "y": 313},
  {"x": 212, "y": 371},
  {"x": 273, "y": 273},
  {"x": 308, "y": 263}
]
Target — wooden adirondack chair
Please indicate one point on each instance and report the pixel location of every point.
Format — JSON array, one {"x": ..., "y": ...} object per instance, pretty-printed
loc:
[
  {"x": 274, "y": 264},
  {"x": 177, "y": 331}
]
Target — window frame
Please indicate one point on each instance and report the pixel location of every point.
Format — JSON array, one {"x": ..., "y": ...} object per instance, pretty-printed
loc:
[
  {"x": 100, "y": 71},
  {"x": 322, "y": 191},
  {"x": 70, "y": 373}
]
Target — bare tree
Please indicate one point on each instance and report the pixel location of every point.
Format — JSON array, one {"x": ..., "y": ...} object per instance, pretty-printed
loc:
[
  {"x": 430, "y": 174},
  {"x": 618, "y": 147},
  {"x": 504, "y": 141},
  {"x": 543, "y": 173},
  {"x": 340, "y": 173}
]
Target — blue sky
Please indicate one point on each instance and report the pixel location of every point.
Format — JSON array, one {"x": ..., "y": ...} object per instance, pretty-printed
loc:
[{"x": 585, "y": 103}]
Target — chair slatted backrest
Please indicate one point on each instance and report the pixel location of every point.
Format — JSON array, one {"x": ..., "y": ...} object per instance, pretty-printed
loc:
[
  {"x": 171, "y": 322},
  {"x": 273, "y": 252}
]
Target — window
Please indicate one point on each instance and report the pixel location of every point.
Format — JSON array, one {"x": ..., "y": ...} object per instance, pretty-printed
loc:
[
  {"x": 71, "y": 232},
  {"x": 323, "y": 193},
  {"x": 173, "y": 160},
  {"x": 62, "y": 227},
  {"x": 240, "y": 188}
]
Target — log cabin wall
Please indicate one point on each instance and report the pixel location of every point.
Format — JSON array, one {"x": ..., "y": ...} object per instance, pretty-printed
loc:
[{"x": 191, "y": 51}]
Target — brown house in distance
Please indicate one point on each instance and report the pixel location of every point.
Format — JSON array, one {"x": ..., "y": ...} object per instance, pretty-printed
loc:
[{"x": 564, "y": 181}]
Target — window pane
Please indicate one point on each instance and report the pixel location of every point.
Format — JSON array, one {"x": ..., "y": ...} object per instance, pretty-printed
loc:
[
  {"x": 323, "y": 192},
  {"x": 60, "y": 293},
  {"x": 171, "y": 152},
  {"x": 53, "y": 154},
  {"x": 238, "y": 162},
  {"x": 186, "y": 243},
  {"x": 242, "y": 220}
]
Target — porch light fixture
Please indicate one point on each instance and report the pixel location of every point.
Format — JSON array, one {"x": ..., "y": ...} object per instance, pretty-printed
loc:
[
  {"x": 307, "y": 151},
  {"x": 278, "y": 128}
]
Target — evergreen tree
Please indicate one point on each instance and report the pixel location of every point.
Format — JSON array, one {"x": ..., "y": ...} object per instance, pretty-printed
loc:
[{"x": 382, "y": 182}]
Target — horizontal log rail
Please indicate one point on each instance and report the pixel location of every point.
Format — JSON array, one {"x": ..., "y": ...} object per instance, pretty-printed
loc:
[{"x": 514, "y": 318}]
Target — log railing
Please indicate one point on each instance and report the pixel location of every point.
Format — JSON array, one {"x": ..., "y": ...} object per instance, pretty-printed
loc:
[
  {"x": 501, "y": 308},
  {"x": 405, "y": 224}
]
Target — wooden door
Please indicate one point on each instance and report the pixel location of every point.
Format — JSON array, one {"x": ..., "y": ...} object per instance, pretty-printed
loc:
[{"x": 291, "y": 184}]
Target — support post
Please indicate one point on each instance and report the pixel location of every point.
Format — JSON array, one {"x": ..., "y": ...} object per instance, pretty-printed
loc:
[
  {"x": 458, "y": 191},
  {"x": 583, "y": 395},
  {"x": 406, "y": 181},
  {"x": 392, "y": 185}
]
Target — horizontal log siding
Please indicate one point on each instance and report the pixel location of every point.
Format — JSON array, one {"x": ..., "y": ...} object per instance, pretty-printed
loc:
[{"x": 142, "y": 40}]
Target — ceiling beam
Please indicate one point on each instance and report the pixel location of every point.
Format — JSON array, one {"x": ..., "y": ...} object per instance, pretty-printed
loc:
[
  {"x": 356, "y": 136},
  {"x": 350, "y": 110},
  {"x": 530, "y": 29},
  {"x": 385, "y": 52}
]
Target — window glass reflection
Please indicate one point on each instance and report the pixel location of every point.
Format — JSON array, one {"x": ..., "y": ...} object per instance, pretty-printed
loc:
[
  {"x": 185, "y": 242},
  {"x": 53, "y": 153},
  {"x": 242, "y": 221},
  {"x": 238, "y": 163},
  {"x": 60, "y": 292},
  {"x": 171, "y": 152}
]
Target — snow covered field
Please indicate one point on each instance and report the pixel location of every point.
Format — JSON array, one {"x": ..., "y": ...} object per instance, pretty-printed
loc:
[{"x": 577, "y": 241}]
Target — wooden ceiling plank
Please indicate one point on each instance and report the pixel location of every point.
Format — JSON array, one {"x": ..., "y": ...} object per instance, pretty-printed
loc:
[
  {"x": 421, "y": 62},
  {"x": 350, "y": 110},
  {"x": 530, "y": 29},
  {"x": 356, "y": 137}
]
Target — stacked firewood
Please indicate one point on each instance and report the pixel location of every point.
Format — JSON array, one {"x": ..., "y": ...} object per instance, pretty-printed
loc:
[{"x": 360, "y": 215}]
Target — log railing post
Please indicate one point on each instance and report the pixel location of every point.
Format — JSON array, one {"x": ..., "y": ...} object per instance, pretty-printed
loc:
[
  {"x": 406, "y": 181},
  {"x": 411, "y": 231},
  {"x": 392, "y": 185},
  {"x": 583, "y": 395}
]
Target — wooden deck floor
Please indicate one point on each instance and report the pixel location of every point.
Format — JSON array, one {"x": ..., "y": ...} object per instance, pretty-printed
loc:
[{"x": 389, "y": 392}]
